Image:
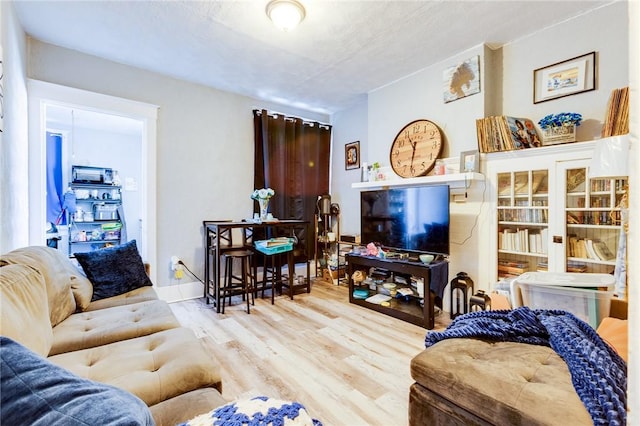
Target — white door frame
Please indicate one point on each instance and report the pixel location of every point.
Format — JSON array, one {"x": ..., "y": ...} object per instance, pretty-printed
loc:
[{"x": 41, "y": 94}]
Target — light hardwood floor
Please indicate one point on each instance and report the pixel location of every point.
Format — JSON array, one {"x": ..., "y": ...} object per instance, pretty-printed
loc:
[{"x": 346, "y": 364}]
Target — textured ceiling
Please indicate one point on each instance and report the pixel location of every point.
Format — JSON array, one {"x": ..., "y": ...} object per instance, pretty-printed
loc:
[{"x": 340, "y": 52}]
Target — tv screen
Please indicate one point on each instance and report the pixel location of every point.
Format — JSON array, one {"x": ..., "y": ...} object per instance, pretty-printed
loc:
[{"x": 412, "y": 218}]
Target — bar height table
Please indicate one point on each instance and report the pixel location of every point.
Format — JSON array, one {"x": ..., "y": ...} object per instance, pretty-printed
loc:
[{"x": 218, "y": 238}]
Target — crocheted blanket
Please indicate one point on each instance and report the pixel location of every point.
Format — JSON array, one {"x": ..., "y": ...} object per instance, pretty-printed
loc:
[{"x": 598, "y": 373}]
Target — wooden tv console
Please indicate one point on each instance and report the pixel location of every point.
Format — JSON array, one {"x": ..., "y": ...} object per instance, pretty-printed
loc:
[{"x": 410, "y": 311}]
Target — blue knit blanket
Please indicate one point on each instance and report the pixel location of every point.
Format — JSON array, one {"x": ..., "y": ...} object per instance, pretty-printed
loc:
[{"x": 598, "y": 373}]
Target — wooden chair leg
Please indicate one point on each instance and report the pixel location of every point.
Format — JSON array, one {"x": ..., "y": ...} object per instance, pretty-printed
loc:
[{"x": 226, "y": 284}]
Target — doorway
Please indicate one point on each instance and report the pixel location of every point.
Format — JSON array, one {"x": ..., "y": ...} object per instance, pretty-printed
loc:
[
  {"x": 94, "y": 139},
  {"x": 96, "y": 129}
]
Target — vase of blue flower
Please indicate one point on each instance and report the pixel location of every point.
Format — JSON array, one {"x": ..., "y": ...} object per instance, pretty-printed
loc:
[{"x": 559, "y": 128}]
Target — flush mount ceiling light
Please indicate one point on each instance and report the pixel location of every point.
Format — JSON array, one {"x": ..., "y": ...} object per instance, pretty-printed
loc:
[{"x": 285, "y": 14}]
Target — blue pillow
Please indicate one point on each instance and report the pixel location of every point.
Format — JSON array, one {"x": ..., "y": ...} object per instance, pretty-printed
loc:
[
  {"x": 114, "y": 270},
  {"x": 260, "y": 410},
  {"x": 39, "y": 393}
]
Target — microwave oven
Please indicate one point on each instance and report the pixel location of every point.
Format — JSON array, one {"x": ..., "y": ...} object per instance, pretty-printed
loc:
[{"x": 86, "y": 174}]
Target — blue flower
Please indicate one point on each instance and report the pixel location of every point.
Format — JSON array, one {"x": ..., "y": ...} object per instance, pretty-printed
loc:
[{"x": 560, "y": 119}]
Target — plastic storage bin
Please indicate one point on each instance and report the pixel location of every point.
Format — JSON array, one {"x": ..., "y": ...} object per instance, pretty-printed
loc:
[
  {"x": 274, "y": 246},
  {"x": 587, "y": 296}
]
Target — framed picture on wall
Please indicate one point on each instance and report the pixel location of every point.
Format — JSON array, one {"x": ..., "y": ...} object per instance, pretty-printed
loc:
[
  {"x": 470, "y": 161},
  {"x": 461, "y": 80},
  {"x": 575, "y": 75},
  {"x": 352, "y": 155}
]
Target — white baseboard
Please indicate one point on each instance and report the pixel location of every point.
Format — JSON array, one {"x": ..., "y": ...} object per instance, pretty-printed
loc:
[
  {"x": 179, "y": 292},
  {"x": 193, "y": 290}
]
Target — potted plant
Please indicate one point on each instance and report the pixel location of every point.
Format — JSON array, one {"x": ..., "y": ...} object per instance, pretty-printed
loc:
[
  {"x": 374, "y": 172},
  {"x": 560, "y": 127}
]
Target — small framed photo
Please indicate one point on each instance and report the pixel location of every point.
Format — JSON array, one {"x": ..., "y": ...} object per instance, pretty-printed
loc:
[
  {"x": 470, "y": 161},
  {"x": 575, "y": 75},
  {"x": 352, "y": 155}
]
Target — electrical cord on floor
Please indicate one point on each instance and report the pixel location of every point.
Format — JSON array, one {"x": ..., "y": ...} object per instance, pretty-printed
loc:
[
  {"x": 475, "y": 222},
  {"x": 180, "y": 262}
]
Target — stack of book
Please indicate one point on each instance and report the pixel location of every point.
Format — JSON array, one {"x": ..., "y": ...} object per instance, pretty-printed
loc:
[
  {"x": 617, "y": 120},
  {"x": 504, "y": 133},
  {"x": 512, "y": 268},
  {"x": 524, "y": 240},
  {"x": 573, "y": 266},
  {"x": 588, "y": 248}
]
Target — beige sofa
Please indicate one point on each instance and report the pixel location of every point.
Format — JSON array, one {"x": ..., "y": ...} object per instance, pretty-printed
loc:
[
  {"x": 468, "y": 381},
  {"x": 131, "y": 341}
]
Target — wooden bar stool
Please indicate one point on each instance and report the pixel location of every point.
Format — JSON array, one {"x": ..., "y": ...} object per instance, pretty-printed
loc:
[
  {"x": 272, "y": 273},
  {"x": 238, "y": 284}
]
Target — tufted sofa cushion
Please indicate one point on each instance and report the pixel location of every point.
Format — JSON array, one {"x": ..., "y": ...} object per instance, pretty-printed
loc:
[
  {"x": 138, "y": 295},
  {"x": 511, "y": 383},
  {"x": 95, "y": 328},
  {"x": 58, "y": 273},
  {"x": 24, "y": 315},
  {"x": 155, "y": 367},
  {"x": 37, "y": 393}
]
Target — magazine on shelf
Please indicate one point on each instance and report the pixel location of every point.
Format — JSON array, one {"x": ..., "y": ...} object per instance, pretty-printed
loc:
[{"x": 505, "y": 133}]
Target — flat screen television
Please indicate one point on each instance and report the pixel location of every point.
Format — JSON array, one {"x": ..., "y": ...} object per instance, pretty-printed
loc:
[{"x": 408, "y": 219}]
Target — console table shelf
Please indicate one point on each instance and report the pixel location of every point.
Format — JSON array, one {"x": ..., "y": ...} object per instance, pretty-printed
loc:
[{"x": 409, "y": 311}]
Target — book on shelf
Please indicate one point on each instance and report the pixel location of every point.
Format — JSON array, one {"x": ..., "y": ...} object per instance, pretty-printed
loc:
[
  {"x": 588, "y": 248},
  {"x": 505, "y": 133},
  {"x": 573, "y": 266},
  {"x": 512, "y": 267},
  {"x": 590, "y": 251},
  {"x": 602, "y": 250},
  {"x": 616, "y": 122},
  {"x": 511, "y": 270},
  {"x": 542, "y": 266},
  {"x": 524, "y": 240},
  {"x": 577, "y": 247}
]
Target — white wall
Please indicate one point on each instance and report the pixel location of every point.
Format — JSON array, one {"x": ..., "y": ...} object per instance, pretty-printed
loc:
[
  {"x": 348, "y": 127},
  {"x": 204, "y": 151},
  {"x": 570, "y": 39},
  {"x": 506, "y": 88},
  {"x": 14, "y": 162}
]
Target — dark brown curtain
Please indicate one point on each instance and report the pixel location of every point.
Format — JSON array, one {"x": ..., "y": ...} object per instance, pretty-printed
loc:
[{"x": 292, "y": 157}]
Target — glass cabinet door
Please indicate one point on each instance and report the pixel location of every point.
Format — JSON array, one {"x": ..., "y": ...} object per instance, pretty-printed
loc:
[
  {"x": 523, "y": 222},
  {"x": 592, "y": 220}
]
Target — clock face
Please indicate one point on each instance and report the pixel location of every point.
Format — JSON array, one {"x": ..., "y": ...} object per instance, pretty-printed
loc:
[{"x": 415, "y": 149}]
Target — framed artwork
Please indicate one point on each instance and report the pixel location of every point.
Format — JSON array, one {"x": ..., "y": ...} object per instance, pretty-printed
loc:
[
  {"x": 352, "y": 155},
  {"x": 461, "y": 80},
  {"x": 575, "y": 75},
  {"x": 470, "y": 161}
]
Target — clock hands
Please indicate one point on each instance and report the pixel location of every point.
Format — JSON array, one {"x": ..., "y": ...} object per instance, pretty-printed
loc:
[{"x": 413, "y": 154}]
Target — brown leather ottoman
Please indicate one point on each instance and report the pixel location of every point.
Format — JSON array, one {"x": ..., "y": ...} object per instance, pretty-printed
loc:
[{"x": 475, "y": 382}]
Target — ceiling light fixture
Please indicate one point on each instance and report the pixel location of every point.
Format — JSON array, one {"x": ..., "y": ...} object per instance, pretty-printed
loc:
[{"x": 285, "y": 14}]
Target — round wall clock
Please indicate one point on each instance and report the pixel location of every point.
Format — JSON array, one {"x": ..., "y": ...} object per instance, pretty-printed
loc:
[{"x": 415, "y": 149}]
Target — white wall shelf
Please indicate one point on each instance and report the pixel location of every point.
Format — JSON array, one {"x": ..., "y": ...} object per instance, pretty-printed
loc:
[{"x": 458, "y": 182}]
